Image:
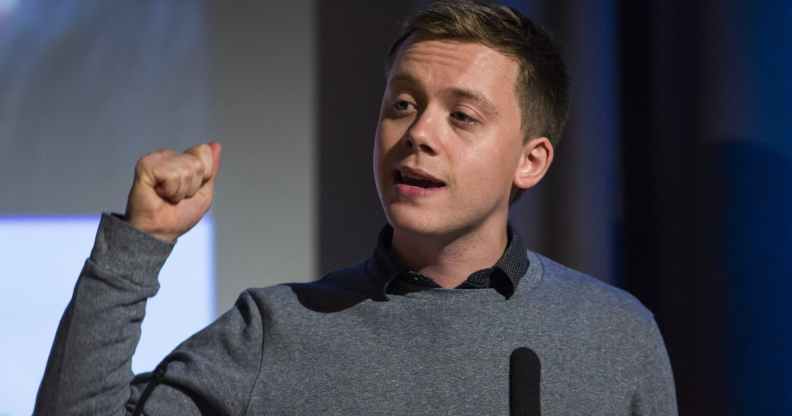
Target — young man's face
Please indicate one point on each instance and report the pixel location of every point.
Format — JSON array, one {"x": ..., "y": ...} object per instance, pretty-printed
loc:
[{"x": 450, "y": 114}]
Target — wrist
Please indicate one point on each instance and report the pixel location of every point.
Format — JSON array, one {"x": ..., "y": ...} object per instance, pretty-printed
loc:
[{"x": 141, "y": 226}]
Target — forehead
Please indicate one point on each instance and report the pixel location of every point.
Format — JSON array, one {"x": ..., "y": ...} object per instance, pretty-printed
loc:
[{"x": 456, "y": 64}]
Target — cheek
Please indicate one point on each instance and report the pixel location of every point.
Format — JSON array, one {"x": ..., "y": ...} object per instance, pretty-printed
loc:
[
  {"x": 385, "y": 136},
  {"x": 487, "y": 171},
  {"x": 387, "y": 139}
]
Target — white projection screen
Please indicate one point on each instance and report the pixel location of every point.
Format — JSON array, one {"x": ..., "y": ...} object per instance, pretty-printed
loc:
[{"x": 43, "y": 257}]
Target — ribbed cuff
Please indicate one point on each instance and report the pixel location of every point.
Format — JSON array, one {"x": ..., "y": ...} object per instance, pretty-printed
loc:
[{"x": 124, "y": 250}]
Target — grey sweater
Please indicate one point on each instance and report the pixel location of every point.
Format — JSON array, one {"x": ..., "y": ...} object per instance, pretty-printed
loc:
[{"x": 337, "y": 347}]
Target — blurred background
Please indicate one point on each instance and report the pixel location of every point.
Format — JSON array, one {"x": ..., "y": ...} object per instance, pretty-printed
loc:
[{"x": 671, "y": 181}]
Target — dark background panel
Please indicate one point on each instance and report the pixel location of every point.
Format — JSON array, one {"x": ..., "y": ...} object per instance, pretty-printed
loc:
[
  {"x": 352, "y": 42},
  {"x": 661, "y": 130}
]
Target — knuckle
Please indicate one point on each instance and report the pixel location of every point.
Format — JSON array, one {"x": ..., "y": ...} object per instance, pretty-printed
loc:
[
  {"x": 196, "y": 150},
  {"x": 189, "y": 170},
  {"x": 147, "y": 159},
  {"x": 161, "y": 153},
  {"x": 170, "y": 178},
  {"x": 181, "y": 173},
  {"x": 140, "y": 165},
  {"x": 145, "y": 164},
  {"x": 169, "y": 181},
  {"x": 151, "y": 160},
  {"x": 197, "y": 166}
]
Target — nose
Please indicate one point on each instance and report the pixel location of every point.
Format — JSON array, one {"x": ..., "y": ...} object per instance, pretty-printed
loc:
[{"x": 422, "y": 134}]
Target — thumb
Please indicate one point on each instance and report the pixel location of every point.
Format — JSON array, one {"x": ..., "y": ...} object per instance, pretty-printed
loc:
[
  {"x": 207, "y": 189},
  {"x": 217, "y": 150}
]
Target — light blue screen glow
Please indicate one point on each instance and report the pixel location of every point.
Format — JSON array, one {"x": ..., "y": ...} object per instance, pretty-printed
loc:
[{"x": 41, "y": 260}]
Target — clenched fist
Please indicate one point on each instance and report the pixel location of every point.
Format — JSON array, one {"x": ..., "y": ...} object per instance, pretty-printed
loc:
[{"x": 172, "y": 191}]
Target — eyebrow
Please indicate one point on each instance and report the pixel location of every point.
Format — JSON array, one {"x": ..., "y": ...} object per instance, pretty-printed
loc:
[
  {"x": 456, "y": 92},
  {"x": 486, "y": 105}
]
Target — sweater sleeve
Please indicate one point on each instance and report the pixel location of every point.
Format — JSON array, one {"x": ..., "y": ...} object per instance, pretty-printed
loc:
[
  {"x": 89, "y": 368},
  {"x": 655, "y": 394}
]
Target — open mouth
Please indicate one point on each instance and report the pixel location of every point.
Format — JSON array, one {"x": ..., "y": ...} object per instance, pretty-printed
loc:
[{"x": 417, "y": 180}]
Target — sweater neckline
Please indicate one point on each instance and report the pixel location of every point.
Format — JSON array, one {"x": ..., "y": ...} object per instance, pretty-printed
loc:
[{"x": 528, "y": 282}]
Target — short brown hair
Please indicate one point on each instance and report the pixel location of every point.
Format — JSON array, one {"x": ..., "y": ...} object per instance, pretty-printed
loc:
[{"x": 542, "y": 83}]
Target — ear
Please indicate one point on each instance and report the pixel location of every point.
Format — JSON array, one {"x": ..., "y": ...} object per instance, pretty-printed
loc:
[{"x": 535, "y": 160}]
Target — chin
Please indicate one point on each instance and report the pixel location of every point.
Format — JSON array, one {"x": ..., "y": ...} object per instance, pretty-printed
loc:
[
  {"x": 436, "y": 222},
  {"x": 417, "y": 220}
]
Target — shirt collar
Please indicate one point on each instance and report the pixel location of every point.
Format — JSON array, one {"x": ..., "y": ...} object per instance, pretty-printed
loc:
[{"x": 387, "y": 266}]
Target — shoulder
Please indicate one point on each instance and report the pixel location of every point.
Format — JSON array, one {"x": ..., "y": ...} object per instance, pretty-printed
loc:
[
  {"x": 603, "y": 323},
  {"x": 333, "y": 292},
  {"x": 588, "y": 297}
]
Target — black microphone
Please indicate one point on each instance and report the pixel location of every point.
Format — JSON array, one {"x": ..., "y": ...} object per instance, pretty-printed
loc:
[{"x": 524, "y": 379}]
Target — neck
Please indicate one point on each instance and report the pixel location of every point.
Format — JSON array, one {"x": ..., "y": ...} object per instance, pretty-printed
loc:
[{"x": 450, "y": 259}]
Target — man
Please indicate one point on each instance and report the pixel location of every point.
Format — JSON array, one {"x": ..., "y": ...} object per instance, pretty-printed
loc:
[{"x": 474, "y": 102}]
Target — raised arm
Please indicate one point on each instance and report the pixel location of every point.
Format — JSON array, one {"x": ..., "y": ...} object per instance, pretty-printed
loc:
[{"x": 89, "y": 368}]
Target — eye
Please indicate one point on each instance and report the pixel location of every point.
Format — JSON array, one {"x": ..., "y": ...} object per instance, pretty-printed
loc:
[
  {"x": 463, "y": 117},
  {"x": 401, "y": 106}
]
